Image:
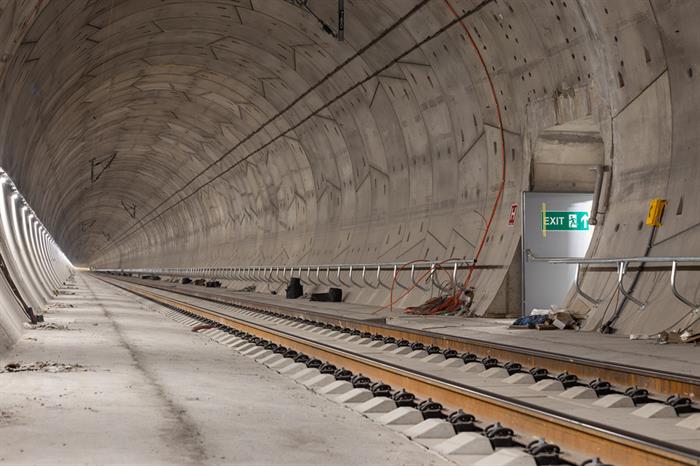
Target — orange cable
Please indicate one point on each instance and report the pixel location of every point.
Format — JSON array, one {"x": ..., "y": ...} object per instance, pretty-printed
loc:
[
  {"x": 412, "y": 287},
  {"x": 501, "y": 188}
]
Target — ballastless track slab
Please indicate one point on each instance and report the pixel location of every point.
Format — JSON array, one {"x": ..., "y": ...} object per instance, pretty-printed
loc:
[
  {"x": 655, "y": 381},
  {"x": 573, "y": 434}
]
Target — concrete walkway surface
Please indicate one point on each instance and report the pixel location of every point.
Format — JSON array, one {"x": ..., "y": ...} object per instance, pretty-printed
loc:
[{"x": 137, "y": 388}]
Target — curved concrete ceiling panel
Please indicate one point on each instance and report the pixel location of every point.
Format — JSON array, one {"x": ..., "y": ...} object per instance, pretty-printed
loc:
[{"x": 179, "y": 133}]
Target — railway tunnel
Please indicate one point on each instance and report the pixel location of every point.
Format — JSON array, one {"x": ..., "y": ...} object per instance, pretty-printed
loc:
[{"x": 367, "y": 198}]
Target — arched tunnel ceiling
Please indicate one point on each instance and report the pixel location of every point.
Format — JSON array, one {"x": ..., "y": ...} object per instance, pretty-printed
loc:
[{"x": 135, "y": 127}]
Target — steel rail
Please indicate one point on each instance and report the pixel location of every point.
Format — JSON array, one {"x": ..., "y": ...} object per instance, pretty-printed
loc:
[
  {"x": 621, "y": 375},
  {"x": 569, "y": 432}
]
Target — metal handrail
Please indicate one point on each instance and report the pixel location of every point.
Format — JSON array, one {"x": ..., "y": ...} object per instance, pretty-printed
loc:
[
  {"x": 621, "y": 263},
  {"x": 282, "y": 273},
  {"x": 531, "y": 257}
]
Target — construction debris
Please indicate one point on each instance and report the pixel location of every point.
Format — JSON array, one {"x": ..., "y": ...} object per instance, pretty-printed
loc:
[
  {"x": 543, "y": 319},
  {"x": 45, "y": 326},
  {"x": 689, "y": 334},
  {"x": 60, "y": 306},
  {"x": 200, "y": 327},
  {"x": 43, "y": 366},
  {"x": 452, "y": 303},
  {"x": 246, "y": 289}
]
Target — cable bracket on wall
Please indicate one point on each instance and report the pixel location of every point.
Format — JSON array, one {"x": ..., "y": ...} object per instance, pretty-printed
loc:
[
  {"x": 86, "y": 225},
  {"x": 98, "y": 165},
  {"x": 339, "y": 34},
  {"x": 130, "y": 208}
]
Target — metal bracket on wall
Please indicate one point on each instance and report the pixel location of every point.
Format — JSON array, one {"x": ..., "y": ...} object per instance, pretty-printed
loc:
[
  {"x": 676, "y": 293},
  {"x": 621, "y": 270},
  {"x": 86, "y": 225},
  {"x": 130, "y": 208},
  {"x": 340, "y": 33},
  {"x": 99, "y": 165},
  {"x": 579, "y": 291}
]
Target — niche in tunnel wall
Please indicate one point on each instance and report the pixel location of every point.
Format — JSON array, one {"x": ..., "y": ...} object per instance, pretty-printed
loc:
[{"x": 564, "y": 155}]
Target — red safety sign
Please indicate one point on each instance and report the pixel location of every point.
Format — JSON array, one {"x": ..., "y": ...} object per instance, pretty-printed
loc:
[{"x": 511, "y": 217}]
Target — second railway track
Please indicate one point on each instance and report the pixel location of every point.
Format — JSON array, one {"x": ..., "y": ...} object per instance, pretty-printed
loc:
[
  {"x": 621, "y": 375},
  {"x": 578, "y": 437}
]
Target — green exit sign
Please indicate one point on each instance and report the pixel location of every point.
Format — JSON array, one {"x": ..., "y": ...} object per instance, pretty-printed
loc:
[{"x": 554, "y": 220}]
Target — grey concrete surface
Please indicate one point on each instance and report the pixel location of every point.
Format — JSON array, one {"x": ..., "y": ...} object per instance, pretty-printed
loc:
[
  {"x": 549, "y": 394},
  {"x": 33, "y": 266},
  {"x": 152, "y": 392},
  {"x": 677, "y": 358},
  {"x": 180, "y": 133}
]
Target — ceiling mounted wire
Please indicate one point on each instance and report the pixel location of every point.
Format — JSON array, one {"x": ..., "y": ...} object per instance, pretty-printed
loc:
[{"x": 142, "y": 223}]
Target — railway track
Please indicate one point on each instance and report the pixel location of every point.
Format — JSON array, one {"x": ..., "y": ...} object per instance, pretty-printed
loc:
[
  {"x": 359, "y": 351},
  {"x": 654, "y": 381}
]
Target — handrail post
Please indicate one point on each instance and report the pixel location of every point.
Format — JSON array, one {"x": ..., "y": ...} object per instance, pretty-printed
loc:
[
  {"x": 340, "y": 279},
  {"x": 676, "y": 293},
  {"x": 318, "y": 276},
  {"x": 364, "y": 278},
  {"x": 413, "y": 278},
  {"x": 621, "y": 269},
  {"x": 379, "y": 277},
  {"x": 308, "y": 276},
  {"x": 396, "y": 277},
  {"x": 328, "y": 276},
  {"x": 580, "y": 292},
  {"x": 435, "y": 282},
  {"x": 352, "y": 282}
]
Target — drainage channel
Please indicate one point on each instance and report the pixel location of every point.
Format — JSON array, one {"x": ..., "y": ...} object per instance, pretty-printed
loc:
[
  {"x": 367, "y": 378},
  {"x": 638, "y": 382}
]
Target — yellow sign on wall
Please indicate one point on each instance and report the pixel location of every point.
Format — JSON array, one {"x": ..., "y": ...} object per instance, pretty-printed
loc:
[{"x": 656, "y": 212}]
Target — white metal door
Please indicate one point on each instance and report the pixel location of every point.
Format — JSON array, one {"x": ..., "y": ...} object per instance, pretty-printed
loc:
[{"x": 554, "y": 224}]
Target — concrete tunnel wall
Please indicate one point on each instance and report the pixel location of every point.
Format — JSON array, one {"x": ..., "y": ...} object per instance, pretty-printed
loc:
[
  {"x": 34, "y": 262},
  {"x": 138, "y": 130}
]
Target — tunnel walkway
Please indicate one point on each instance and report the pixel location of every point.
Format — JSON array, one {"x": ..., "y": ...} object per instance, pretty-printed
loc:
[{"x": 117, "y": 394}]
